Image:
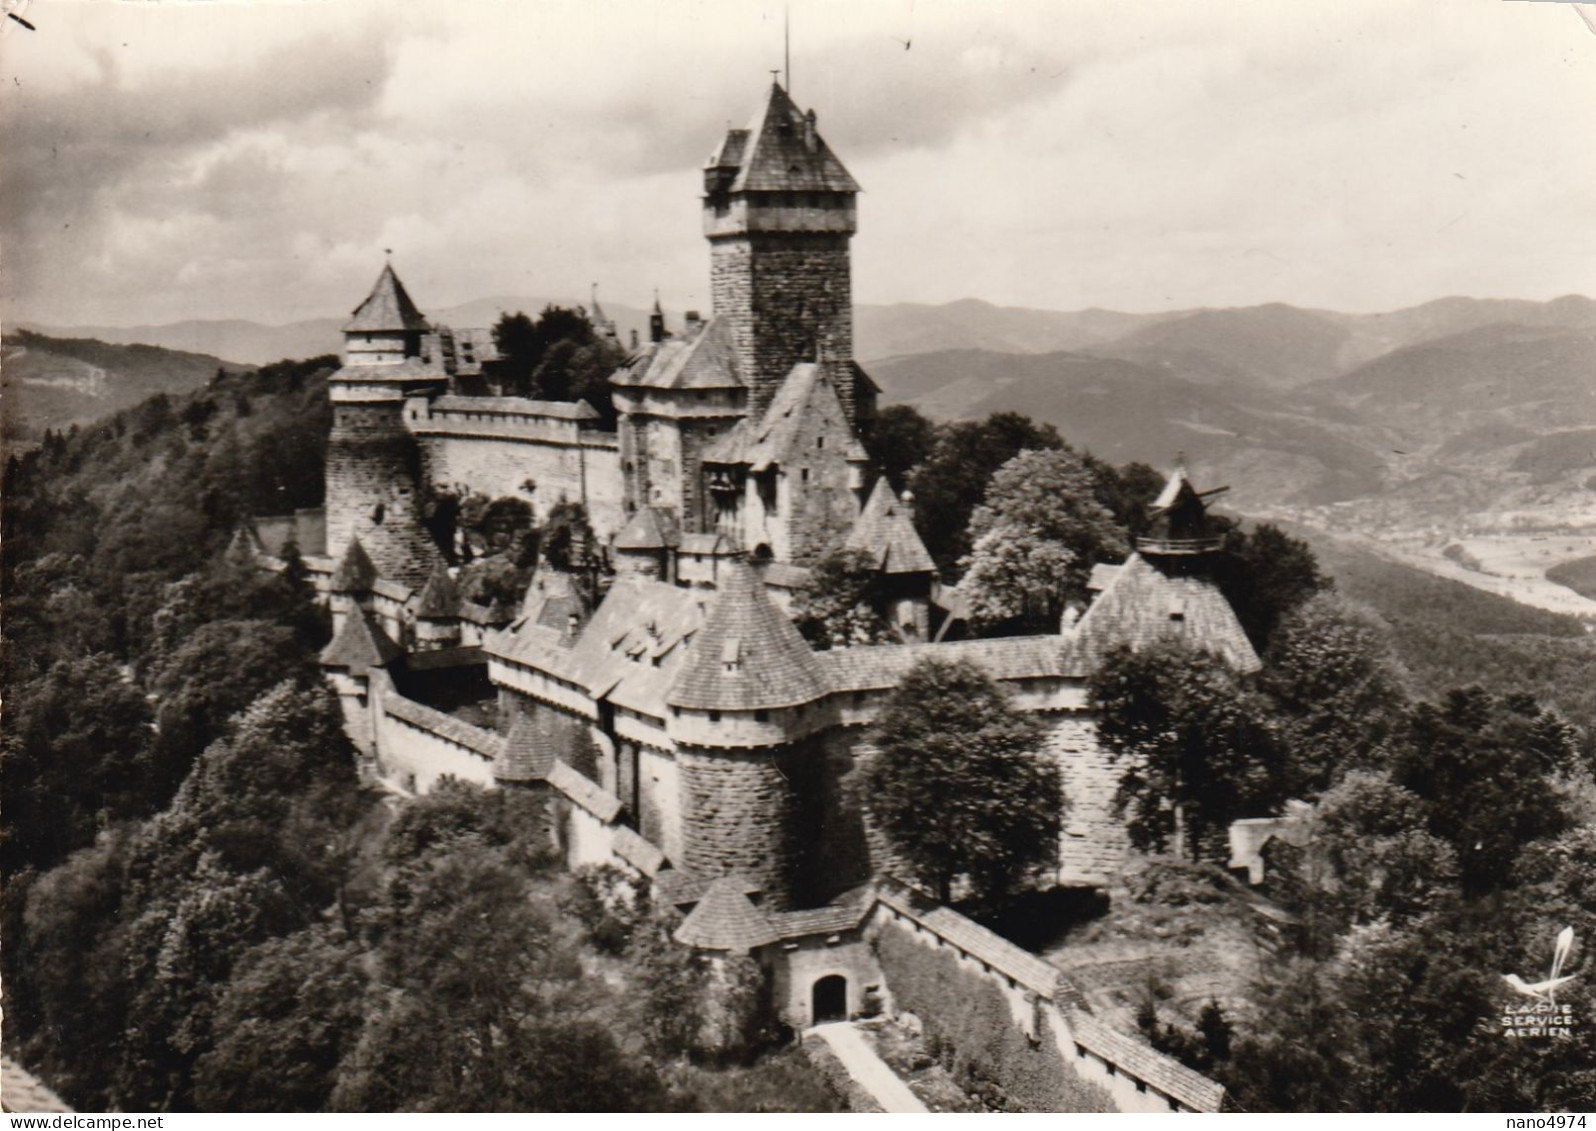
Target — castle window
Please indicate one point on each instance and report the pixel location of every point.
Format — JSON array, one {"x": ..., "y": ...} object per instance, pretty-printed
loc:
[
  {"x": 761, "y": 716},
  {"x": 714, "y": 716},
  {"x": 820, "y": 442},
  {"x": 378, "y": 514},
  {"x": 803, "y": 475}
]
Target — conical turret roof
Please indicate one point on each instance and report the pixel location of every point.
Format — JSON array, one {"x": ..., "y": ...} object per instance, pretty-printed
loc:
[
  {"x": 725, "y": 919},
  {"x": 885, "y": 531},
  {"x": 387, "y": 309},
  {"x": 748, "y": 655},
  {"x": 440, "y": 597},
  {"x": 360, "y": 645},
  {"x": 355, "y": 572},
  {"x": 528, "y": 753}
]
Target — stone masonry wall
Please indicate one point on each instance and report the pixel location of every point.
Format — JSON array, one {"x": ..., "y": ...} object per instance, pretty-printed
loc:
[
  {"x": 736, "y": 818},
  {"x": 372, "y": 464},
  {"x": 785, "y": 294},
  {"x": 586, "y": 474},
  {"x": 1094, "y": 842},
  {"x": 820, "y": 506}
]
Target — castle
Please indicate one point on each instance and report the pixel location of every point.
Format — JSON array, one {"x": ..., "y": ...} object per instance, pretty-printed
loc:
[{"x": 681, "y": 728}]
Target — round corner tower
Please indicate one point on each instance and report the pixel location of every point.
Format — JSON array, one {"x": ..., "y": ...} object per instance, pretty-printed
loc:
[{"x": 373, "y": 463}]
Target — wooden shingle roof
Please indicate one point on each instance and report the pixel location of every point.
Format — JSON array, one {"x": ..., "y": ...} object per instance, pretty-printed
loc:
[
  {"x": 360, "y": 645},
  {"x": 1144, "y": 1062},
  {"x": 387, "y": 309},
  {"x": 528, "y": 754},
  {"x": 651, "y": 528},
  {"x": 706, "y": 359},
  {"x": 1144, "y": 603},
  {"x": 725, "y": 919},
  {"x": 356, "y": 572},
  {"x": 748, "y": 655},
  {"x": 775, "y": 154},
  {"x": 885, "y": 531},
  {"x": 22, "y": 1091},
  {"x": 440, "y": 597}
]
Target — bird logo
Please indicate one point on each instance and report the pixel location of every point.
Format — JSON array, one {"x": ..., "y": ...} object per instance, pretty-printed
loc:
[{"x": 1547, "y": 990}]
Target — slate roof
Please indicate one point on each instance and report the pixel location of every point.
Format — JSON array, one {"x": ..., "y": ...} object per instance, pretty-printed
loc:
[
  {"x": 458, "y": 731},
  {"x": 1144, "y": 1062},
  {"x": 725, "y": 919},
  {"x": 711, "y": 543},
  {"x": 885, "y": 531},
  {"x": 360, "y": 645},
  {"x": 528, "y": 754},
  {"x": 879, "y": 667},
  {"x": 355, "y": 572},
  {"x": 829, "y": 920},
  {"x": 969, "y": 936},
  {"x": 806, "y": 392},
  {"x": 748, "y": 655},
  {"x": 639, "y": 853},
  {"x": 552, "y": 599},
  {"x": 387, "y": 309},
  {"x": 22, "y": 1091},
  {"x": 1102, "y": 574},
  {"x": 516, "y": 406},
  {"x": 440, "y": 597},
  {"x": 705, "y": 359},
  {"x": 773, "y": 155},
  {"x": 651, "y": 528},
  {"x": 629, "y": 650},
  {"x": 585, "y": 792},
  {"x": 1139, "y": 608}
]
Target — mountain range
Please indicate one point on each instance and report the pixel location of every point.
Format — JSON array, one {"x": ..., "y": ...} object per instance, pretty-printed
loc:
[{"x": 1432, "y": 415}]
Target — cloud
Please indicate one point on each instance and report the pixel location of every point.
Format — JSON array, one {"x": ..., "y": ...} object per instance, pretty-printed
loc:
[{"x": 168, "y": 161}]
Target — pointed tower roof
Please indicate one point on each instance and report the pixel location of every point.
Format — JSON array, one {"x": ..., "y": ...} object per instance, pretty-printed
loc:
[
  {"x": 725, "y": 919},
  {"x": 780, "y": 151},
  {"x": 528, "y": 753},
  {"x": 440, "y": 597},
  {"x": 885, "y": 530},
  {"x": 355, "y": 572},
  {"x": 651, "y": 528},
  {"x": 387, "y": 309},
  {"x": 748, "y": 655},
  {"x": 360, "y": 645}
]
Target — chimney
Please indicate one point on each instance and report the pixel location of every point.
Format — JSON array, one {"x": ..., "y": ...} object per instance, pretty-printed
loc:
[
  {"x": 693, "y": 321},
  {"x": 906, "y": 501},
  {"x": 634, "y": 339},
  {"x": 809, "y": 131}
]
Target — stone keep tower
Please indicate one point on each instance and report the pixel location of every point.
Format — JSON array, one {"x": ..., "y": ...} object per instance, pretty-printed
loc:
[
  {"x": 778, "y": 213},
  {"x": 373, "y": 464}
]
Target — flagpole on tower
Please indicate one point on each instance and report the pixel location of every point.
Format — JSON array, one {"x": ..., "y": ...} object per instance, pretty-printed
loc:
[{"x": 786, "y": 46}]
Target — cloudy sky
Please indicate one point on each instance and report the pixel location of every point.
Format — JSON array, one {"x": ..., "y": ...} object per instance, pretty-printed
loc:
[{"x": 165, "y": 161}]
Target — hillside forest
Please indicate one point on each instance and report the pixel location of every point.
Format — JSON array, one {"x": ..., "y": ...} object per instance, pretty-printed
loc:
[{"x": 206, "y": 907}]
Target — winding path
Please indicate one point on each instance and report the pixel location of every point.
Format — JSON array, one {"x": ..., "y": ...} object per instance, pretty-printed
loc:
[{"x": 872, "y": 1073}]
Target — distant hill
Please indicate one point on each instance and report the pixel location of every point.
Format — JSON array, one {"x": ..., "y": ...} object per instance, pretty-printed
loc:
[
  {"x": 1272, "y": 448},
  {"x": 1273, "y": 346},
  {"x": 903, "y": 328},
  {"x": 57, "y": 382}
]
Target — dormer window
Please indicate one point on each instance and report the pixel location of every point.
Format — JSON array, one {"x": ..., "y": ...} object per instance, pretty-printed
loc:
[
  {"x": 1177, "y": 610},
  {"x": 731, "y": 656}
]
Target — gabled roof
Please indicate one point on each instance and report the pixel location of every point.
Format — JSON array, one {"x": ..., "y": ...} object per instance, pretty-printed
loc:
[
  {"x": 748, "y": 655},
  {"x": 355, "y": 572},
  {"x": 360, "y": 645},
  {"x": 246, "y": 544},
  {"x": 780, "y": 152},
  {"x": 628, "y": 652},
  {"x": 1146, "y": 603},
  {"x": 885, "y": 531},
  {"x": 387, "y": 309},
  {"x": 725, "y": 919},
  {"x": 528, "y": 753},
  {"x": 706, "y": 359},
  {"x": 806, "y": 393},
  {"x": 651, "y": 528},
  {"x": 440, "y": 597}
]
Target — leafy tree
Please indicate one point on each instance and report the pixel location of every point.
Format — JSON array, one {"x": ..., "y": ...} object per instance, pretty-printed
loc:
[
  {"x": 837, "y": 608},
  {"x": 951, "y": 482},
  {"x": 1336, "y": 694},
  {"x": 1128, "y": 492},
  {"x": 1034, "y": 540},
  {"x": 1190, "y": 740},
  {"x": 1264, "y": 574},
  {"x": 900, "y": 440},
  {"x": 949, "y": 732},
  {"x": 1489, "y": 768},
  {"x": 283, "y": 1023}
]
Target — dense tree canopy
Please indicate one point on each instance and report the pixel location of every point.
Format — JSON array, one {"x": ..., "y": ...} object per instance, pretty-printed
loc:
[
  {"x": 949, "y": 732},
  {"x": 557, "y": 357},
  {"x": 838, "y": 606},
  {"x": 1034, "y": 540}
]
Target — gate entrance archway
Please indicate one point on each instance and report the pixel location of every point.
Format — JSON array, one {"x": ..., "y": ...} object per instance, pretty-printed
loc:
[{"x": 830, "y": 999}]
